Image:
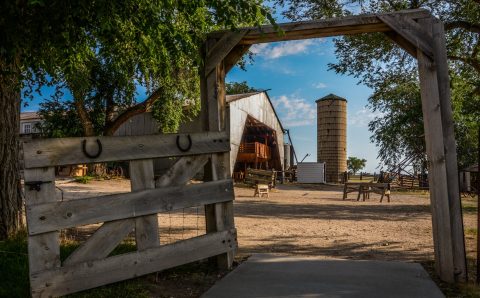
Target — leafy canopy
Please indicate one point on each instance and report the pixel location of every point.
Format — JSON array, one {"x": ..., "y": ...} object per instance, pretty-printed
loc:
[
  {"x": 392, "y": 73},
  {"x": 102, "y": 51},
  {"x": 355, "y": 164},
  {"x": 239, "y": 88}
]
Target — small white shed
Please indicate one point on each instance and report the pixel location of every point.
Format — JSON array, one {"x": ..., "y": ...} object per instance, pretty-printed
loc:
[{"x": 311, "y": 172}]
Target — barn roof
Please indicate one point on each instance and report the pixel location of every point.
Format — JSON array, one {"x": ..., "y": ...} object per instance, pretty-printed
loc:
[
  {"x": 472, "y": 168},
  {"x": 30, "y": 116},
  {"x": 235, "y": 97},
  {"x": 330, "y": 97}
]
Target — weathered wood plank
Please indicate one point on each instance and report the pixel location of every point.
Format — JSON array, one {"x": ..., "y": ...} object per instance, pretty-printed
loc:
[
  {"x": 222, "y": 48},
  {"x": 440, "y": 52},
  {"x": 410, "y": 31},
  {"x": 58, "y": 215},
  {"x": 43, "y": 250},
  {"x": 402, "y": 42},
  {"x": 146, "y": 227},
  {"x": 235, "y": 55},
  {"x": 442, "y": 234},
  {"x": 88, "y": 275},
  {"x": 66, "y": 151},
  {"x": 219, "y": 216},
  {"x": 182, "y": 171},
  {"x": 322, "y": 28},
  {"x": 102, "y": 242}
]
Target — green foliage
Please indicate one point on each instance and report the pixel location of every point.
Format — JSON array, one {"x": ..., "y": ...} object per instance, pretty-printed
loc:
[
  {"x": 355, "y": 164},
  {"x": 239, "y": 88},
  {"x": 392, "y": 73},
  {"x": 84, "y": 179},
  {"x": 14, "y": 266},
  {"x": 14, "y": 271},
  {"x": 102, "y": 51}
]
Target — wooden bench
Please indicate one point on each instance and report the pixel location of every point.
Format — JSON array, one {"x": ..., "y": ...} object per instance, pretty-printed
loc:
[
  {"x": 261, "y": 190},
  {"x": 364, "y": 190},
  {"x": 254, "y": 177}
]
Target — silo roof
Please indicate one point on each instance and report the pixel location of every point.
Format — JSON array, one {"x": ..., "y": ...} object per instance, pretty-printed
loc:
[{"x": 331, "y": 96}]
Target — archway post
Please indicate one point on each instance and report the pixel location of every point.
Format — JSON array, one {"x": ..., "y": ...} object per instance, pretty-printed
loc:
[{"x": 421, "y": 35}]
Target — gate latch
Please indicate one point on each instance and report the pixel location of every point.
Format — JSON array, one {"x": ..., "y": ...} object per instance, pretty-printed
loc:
[{"x": 36, "y": 185}]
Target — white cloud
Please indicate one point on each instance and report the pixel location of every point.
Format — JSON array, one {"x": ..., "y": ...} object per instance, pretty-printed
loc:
[
  {"x": 362, "y": 117},
  {"x": 319, "y": 85},
  {"x": 287, "y": 48},
  {"x": 294, "y": 111}
]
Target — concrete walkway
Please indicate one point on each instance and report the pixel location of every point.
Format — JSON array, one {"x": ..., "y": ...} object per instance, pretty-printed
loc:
[{"x": 265, "y": 275}]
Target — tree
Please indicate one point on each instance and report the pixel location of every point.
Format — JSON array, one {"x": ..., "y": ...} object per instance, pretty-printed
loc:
[
  {"x": 355, "y": 164},
  {"x": 392, "y": 73},
  {"x": 67, "y": 43},
  {"x": 239, "y": 88}
]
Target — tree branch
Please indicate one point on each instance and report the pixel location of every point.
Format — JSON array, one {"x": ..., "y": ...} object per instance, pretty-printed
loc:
[
  {"x": 473, "y": 63},
  {"x": 84, "y": 118},
  {"x": 475, "y": 28},
  {"x": 132, "y": 111}
]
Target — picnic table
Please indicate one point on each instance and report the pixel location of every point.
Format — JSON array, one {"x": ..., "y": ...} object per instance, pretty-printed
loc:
[{"x": 365, "y": 188}]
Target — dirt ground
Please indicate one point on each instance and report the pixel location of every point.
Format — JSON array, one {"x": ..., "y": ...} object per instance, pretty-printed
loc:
[{"x": 308, "y": 220}]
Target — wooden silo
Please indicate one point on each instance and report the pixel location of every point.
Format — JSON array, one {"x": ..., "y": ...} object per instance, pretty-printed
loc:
[{"x": 332, "y": 136}]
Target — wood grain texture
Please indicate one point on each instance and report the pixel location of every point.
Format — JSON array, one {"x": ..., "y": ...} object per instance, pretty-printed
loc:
[
  {"x": 402, "y": 42},
  {"x": 146, "y": 227},
  {"x": 437, "y": 175},
  {"x": 182, "y": 171},
  {"x": 222, "y": 48},
  {"x": 440, "y": 53},
  {"x": 44, "y": 249},
  {"x": 102, "y": 242},
  {"x": 234, "y": 56},
  {"x": 218, "y": 217},
  {"x": 88, "y": 275},
  {"x": 411, "y": 32},
  {"x": 322, "y": 28},
  {"x": 58, "y": 215},
  {"x": 67, "y": 151}
]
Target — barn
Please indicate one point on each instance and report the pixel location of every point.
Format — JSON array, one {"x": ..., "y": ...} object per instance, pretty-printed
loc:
[{"x": 256, "y": 133}]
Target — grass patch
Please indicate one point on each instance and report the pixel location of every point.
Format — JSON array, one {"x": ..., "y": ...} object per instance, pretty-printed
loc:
[
  {"x": 467, "y": 290},
  {"x": 84, "y": 179},
  {"x": 471, "y": 231},
  {"x": 14, "y": 266},
  {"x": 15, "y": 279},
  {"x": 469, "y": 208},
  {"x": 190, "y": 280}
]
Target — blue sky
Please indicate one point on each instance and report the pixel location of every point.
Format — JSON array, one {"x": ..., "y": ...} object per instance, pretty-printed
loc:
[{"x": 297, "y": 74}]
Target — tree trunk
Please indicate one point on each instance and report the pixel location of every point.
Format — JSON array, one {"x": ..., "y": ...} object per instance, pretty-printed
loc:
[{"x": 10, "y": 188}]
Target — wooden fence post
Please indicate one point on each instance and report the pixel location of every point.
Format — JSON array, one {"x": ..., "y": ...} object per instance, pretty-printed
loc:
[
  {"x": 43, "y": 249},
  {"x": 146, "y": 227},
  {"x": 432, "y": 117},
  {"x": 218, "y": 217}
]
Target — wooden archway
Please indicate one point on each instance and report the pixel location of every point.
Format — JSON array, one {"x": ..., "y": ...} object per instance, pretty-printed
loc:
[{"x": 418, "y": 33}]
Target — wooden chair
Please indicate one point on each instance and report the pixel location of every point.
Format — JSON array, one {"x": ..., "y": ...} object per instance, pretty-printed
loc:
[{"x": 261, "y": 190}]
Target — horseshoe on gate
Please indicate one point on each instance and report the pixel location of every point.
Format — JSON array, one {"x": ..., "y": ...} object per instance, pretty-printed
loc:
[
  {"x": 84, "y": 149},
  {"x": 189, "y": 144}
]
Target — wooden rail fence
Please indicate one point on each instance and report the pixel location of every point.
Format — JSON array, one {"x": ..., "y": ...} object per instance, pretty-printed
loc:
[{"x": 90, "y": 265}]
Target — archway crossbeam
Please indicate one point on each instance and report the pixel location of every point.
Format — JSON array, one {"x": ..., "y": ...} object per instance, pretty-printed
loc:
[{"x": 418, "y": 33}]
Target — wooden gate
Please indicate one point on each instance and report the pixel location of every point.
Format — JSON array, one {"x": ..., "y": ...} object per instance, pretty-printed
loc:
[
  {"x": 90, "y": 265},
  {"x": 421, "y": 35},
  {"x": 416, "y": 31}
]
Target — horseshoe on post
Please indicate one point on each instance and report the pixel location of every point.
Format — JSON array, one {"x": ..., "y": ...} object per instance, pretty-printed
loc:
[
  {"x": 189, "y": 144},
  {"x": 99, "y": 151}
]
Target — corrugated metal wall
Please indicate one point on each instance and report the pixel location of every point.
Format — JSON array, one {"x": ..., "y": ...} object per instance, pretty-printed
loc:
[{"x": 311, "y": 172}]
